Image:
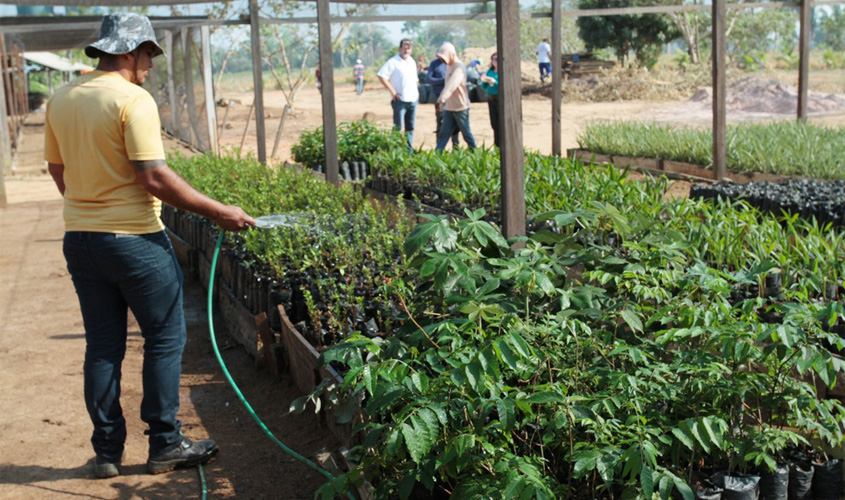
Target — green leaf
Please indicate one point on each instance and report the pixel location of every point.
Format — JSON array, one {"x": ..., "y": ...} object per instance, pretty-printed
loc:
[
  {"x": 420, "y": 381},
  {"x": 494, "y": 234},
  {"x": 714, "y": 437},
  {"x": 544, "y": 397},
  {"x": 633, "y": 321},
  {"x": 521, "y": 346},
  {"x": 684, "y": 436},
  {"x": 489, "y": 286},
  {"x": 583, "y": 466},
  {"x": 665, "y": 487},
  {"x": 475, "y": 376},
  {"x": 507, "y": 409},
  {"x": 368, "y": 379},
  {"x": 506, "y": 355},
  {"x": 684, "y": 489},
  {"x": 394, "y": 441},
  {"x": 421, "y": 435},
  {"x": 419, "y": 237},
  {"x": 696, "y": 431},
  {"x": 444, "y": 236},
  {"x": 604, "y": 466},
  {"x": 646, "y": 481}
]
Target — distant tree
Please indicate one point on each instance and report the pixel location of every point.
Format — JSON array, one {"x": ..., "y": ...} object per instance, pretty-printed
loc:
[
  {"x": 692, "y": 25},
  {"x": 369, "y": 42},
  {"x": 831, "y": 28},
  {"x": 642, "y": 34},
  {"x": 756, "y": 31},
  {"x": 533, "y": 31}
]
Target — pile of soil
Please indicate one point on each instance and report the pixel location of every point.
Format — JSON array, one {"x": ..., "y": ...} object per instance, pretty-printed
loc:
[{"x": 760, "y": 95}]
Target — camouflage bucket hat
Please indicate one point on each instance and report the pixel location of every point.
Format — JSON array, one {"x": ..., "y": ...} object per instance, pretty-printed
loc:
[{"x": 122, "y": 33}]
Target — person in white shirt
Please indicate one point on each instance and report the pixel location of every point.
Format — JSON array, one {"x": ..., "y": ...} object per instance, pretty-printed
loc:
[
  {"x": 544, "y": 51},
  {"x": 399, "y": 76}
]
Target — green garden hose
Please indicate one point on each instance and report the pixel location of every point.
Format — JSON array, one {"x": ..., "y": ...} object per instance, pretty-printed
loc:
[{"x": 235, "y": 386}]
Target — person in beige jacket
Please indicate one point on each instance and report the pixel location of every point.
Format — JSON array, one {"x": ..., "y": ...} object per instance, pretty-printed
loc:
[{"x": 453, "y": 102}]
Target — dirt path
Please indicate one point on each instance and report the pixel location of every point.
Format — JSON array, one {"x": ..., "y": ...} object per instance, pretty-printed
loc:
[{"x": 44, "y": 429}]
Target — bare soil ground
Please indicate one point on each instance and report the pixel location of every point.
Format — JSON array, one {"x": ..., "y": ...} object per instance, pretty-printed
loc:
[{"x": 44, "y": 429}]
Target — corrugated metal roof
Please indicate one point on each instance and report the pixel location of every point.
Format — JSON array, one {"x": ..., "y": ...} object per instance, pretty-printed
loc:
[{"x": 55, "y": 61}]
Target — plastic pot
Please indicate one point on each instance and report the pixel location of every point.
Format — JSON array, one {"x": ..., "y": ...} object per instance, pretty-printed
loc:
[
  {"x": 800, "y": 481},
  {"x": 737, "y": 486},
  {"x": 828, "y": 482},
  {"x": 774, "y": 485}
]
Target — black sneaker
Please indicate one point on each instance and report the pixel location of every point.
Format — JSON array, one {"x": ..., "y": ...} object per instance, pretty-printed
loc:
[
  {"x": 105, "y": 468},
  {"x": 183, "y": 454}
]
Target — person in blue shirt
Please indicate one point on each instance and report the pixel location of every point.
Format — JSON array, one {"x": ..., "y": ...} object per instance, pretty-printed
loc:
[
  {"x": 490, "y": 84},
  {"x": 436, "y": 77}
]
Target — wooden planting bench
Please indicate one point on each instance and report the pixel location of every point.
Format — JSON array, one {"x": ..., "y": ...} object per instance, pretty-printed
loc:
[{"x": 671, "y": 169}]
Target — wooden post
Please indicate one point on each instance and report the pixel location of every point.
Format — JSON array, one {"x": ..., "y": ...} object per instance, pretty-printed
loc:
[
  {"x": 208, "y": 85},
  {"x": 187, "y": 54},
  {"x": 556, "y": 78},
  {"x": 6, "y": 155},
  {"x": 5, "y": 140},
  {"x": 510, "y": 108},
  {"x": 171, "y": 87},
  {"x": 805, "y": 20},
  {"x": 23, "y": 105},
  {"x": 327, "y": 91},
  {"x": 257, "y": 79},
  {"x": 12, "y": 108},
  {"x": 720, "y": 157}
]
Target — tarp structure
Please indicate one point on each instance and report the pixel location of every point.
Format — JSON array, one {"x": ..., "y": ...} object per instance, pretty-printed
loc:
[{"x": 55, "y": 61}]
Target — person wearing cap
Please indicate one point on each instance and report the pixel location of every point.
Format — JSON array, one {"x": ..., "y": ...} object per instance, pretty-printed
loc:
[
  {"x": 358, "y": 74},
  {"x": 454, "y": 99},
  {"x": 104, "y": 151},
  {"x": 399, "y": 77},
  {"x": 436, "y": 77}
]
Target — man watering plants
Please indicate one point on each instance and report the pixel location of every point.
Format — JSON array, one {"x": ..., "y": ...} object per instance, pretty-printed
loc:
[{"x": 104, "y": 151}]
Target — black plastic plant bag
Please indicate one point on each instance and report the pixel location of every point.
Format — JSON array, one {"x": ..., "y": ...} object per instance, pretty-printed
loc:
[
  {"x": 737, "y": 486},
  {"x": 828, "y": 482},
  {"x": 800, "y": 482},
  {"x": 707, "y": 491},
  {"x": 774, "y": 485}
]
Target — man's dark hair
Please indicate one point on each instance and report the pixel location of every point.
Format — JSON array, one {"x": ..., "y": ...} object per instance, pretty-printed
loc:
[{"x": 405, "y": 41}]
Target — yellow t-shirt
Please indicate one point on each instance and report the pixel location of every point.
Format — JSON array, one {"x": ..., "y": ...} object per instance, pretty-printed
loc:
[{"x": 94, "y": 126}]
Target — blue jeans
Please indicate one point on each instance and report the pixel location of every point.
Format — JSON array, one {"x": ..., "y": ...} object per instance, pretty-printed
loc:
[
  {"x": 404, "y": 111},
  {"x": 545, "y": 69},
  {"x": 438, "y": 116},
  {"x": 359, "y": 85},
  {"x": 452, "y": 121},
  {"x": 114, "y": 273}
]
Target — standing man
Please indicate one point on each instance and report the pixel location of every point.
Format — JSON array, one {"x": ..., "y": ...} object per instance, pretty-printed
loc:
[
  {"x": 454, "y": 100},
  {"x": 436, "y": 77},
  {"x": 358, "y": 74},
  {"x": 104, "y": 151},
  {"x": 399, "y": 77},
  {"x": 544, "y": 51}
]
